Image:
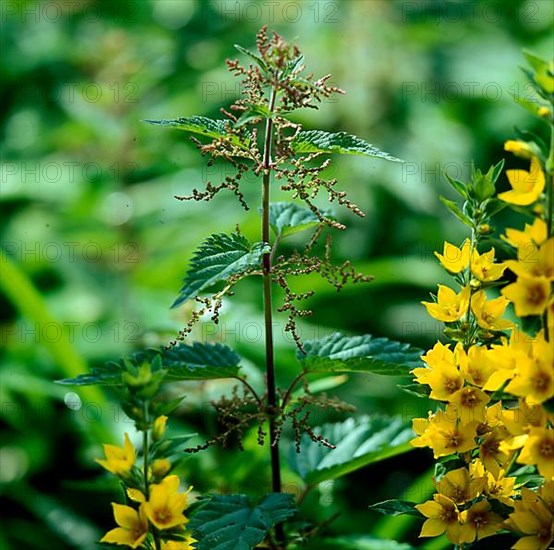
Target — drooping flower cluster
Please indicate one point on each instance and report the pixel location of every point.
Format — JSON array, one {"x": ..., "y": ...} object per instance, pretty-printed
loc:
[{"x": 492, "y": 432}]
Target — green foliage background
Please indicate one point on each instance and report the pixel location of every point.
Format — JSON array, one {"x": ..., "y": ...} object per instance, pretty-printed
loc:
[{"x": 95, "y": 245}]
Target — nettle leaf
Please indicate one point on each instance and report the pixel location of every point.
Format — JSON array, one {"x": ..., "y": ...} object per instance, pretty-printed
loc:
[
  {"x": 359, "y": 442},
  {"x": 204, "y": 126},
  {"x": 219, "y": 257},
  {"x": 395, "y": 507},
  {"x": 287, "y": 218},
  {"x": 314, "y": 141},
  {"x": 109, "y": 374},
  {"x": 338, "y": 353},
  {"x": 200, "y": 361},
  {"x": 196, "y": 361},
  {"x": 232, "y": 522}
]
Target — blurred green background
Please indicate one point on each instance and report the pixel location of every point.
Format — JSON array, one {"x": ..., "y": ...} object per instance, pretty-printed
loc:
[{"x": 95, "y": 246}]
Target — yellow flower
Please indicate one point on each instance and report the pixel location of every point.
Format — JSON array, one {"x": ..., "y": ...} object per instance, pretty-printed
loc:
[
  {"x": 479, "y": 522},
  {"x": 442, "y": 516},
  {"x": 468, "y": 404},
  {"x": 479, "y": 367},
  {"x": 119, "y": 460},
  {"x": 529, "y": 295},
  {"x": 526, "y": 186},
  {"x": 490, "y": 452},
  {"x": 534, "y": 378},
  {"x": 158, "y": 429},
  {"x": 455, "y": 259},
  {"x": 186, "y": 544},
  {"x": 531, "y": 237},
  {"x": 488, "y": 313},
  {"x": 533, "y": 261},
  {"x": 444, "y": 434},
  {"x": 459, "y": 486},
  {"x": 165, "y": 506},
  {"x": 519, "y": 148},
  {"x": 501, "y": 488},
  {"x": 534, "y": 520},
  {"x": 484, "y": 268},
  {"x": 450, "y": 306},
  {"x": 444, "y": 381},
  {"x": 133, "y": 526},
  {"x": 539, "y": 450}
]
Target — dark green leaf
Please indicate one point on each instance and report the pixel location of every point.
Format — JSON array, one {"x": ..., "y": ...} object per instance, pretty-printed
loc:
[
  {"x": 219, "y": 257},
  {"x": 395, "y": 507},
  {"x": 287, "y": 218},
  {"x": 338, "y": 353},
  {"x": 104, "y": 375},
  {"x": 200, "y": 361},
  {"x": 232, "y": 522},
  {"x": 314, "y": 141},
  {"x": 358, "y": 442},
  {"x": 213, "y": 128},
  {"x": 453, "y": 207}
]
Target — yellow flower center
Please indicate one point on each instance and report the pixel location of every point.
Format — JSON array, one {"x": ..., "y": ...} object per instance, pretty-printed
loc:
[
  {"x": 479, "y": 520},
  {"x": 448, "y": 515},
  {"x": 452, "y": 385}
]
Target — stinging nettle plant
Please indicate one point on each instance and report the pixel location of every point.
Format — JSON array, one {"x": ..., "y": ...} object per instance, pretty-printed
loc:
[{"x": 258, "y": 136}]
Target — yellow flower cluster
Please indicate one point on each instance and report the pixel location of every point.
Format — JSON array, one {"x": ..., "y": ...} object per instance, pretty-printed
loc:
[
  {"x": 156, "y": 508},
  {"x": 494, "y": 385}
]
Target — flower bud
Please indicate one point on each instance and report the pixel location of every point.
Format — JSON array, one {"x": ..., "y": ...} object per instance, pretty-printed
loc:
[{"x": 158, "y": 429}]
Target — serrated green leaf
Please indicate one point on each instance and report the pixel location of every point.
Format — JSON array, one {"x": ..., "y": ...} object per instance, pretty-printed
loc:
[
  {"x": 359, "y": 442},
  {"x": 454, "y": 208},
  {"x": 232, "y": 522},
  {"x": 204, "y": 126},
  {"x": 200, "y": 361},
  {"x": 109, "y": 374},
  {"x": 395, "y": 507},
  {"x": 259, "y": 61},
  {"x": 287, "y": 218},
  {"x": 338, "y": 353},
  {"x": 314, "y": 141},
  {"x": 219, "y": 257},
  {"x": 196, "y": 361}
]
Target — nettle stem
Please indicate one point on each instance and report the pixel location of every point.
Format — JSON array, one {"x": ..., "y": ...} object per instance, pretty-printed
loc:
[{"x": 268, "y": 313}]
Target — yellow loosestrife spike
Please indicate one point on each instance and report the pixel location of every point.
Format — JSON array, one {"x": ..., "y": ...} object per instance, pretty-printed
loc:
[
  {"x": 119, "y": 460},
  {"x": 526, "y": 186}
]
